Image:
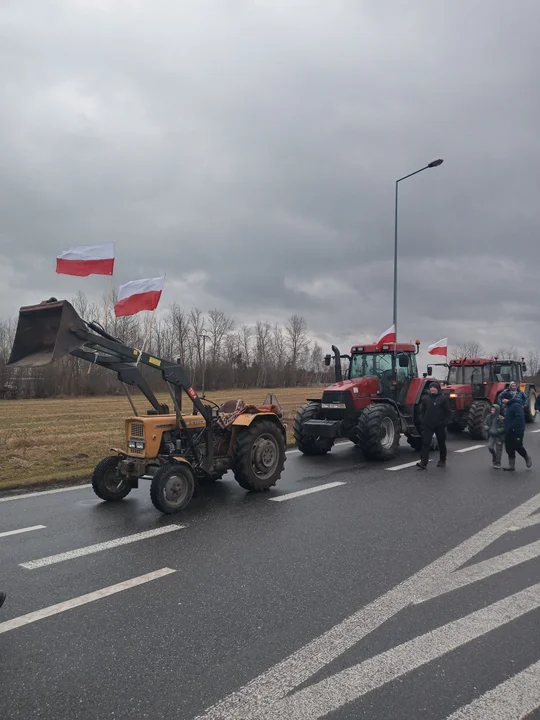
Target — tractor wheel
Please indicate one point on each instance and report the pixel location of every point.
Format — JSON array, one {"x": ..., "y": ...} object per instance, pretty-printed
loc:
[
  {"x": 378, "y": 432},
  {"x": 172, "y": 487},
  {"x": 107, "y": 482},
  {"x": 308, "y": 444},
  {"x": 530, "y": 410},
  {"x": 477, "y": 415},
  {"x": 259, "y": 456}
]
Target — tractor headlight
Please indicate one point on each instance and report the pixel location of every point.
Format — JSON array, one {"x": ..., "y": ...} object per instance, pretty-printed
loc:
[
  {"x": 139, "y": 445},
  {"x": 453, "y": 395},
  {"x": 131, "y": 444}
]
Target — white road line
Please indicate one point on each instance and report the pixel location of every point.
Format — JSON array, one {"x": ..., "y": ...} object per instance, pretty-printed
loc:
[
  {"x": 513, "y": 699},
  {"x": 81, "y": 600},
  {"x": 307, "y": 491},
  {"x": 468, "y": 449},
  {"x": 22, "y": 530},
  {"x": 276, "y": 682},
  {"x": 527, "y": 522},
  {"x": 43, "y": 492},
  {"x": 535, "y": 431},
  {"x": 348, "y": 685},
  {"x": 405, "y": 465},
  {"x": 90, "y": 549}
]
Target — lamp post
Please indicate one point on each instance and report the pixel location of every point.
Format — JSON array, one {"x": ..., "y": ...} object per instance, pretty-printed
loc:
[
  {"x": 204, "y": 339},
  {"x": 434, "y": 163}
]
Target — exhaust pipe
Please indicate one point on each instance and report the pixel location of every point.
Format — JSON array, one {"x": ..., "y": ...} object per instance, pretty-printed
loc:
[
  {"x": 337, "y": 363},
  {"x": 45, "y": 333}
]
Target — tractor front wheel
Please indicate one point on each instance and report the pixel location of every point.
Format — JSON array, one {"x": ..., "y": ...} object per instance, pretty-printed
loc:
[
  {"x": 107, "y": 482},
  {"x": 378, "y": 432},
  {"x": 259, "y": 456},
  {"x": 530, "y": 410},
  {"x": 477, "y": 416},
  {"x": 172, "y": 487},
  {"x": 309, "y": 444}
]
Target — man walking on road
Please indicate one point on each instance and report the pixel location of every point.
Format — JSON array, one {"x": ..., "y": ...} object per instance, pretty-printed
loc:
[
  {"x": 2, "y": 598},
  {"x": 435, "y": 413},
  {"x": 514, "y": 429}
]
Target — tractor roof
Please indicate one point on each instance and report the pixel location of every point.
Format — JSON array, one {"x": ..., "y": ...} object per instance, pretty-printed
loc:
[
  {"x": 385, "y": 347},
  {"x": 480, "y": 361}
]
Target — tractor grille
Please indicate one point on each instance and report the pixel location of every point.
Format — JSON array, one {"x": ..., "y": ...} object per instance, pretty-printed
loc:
[{"x": 137, "y": 430}]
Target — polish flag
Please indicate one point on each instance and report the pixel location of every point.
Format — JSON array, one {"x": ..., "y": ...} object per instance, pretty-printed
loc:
[
  {"x": 439, "y": 348},
  {"x": 86, "y": 260},
  {"x": 388, "y": 336},
  {"x": 139, "y": 295}
]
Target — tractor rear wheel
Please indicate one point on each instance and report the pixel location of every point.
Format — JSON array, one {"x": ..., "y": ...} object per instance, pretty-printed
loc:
[
  {"x": 259, "y": 456},
  {"x": 478, "y": 413},
  {"x": 172, "y": 487},
  {"x": 107, "y": 482},
  {"x": 530, "y": 410},
  {"x": 309, "y": 444},
  {"x": 378, "y": 432}
]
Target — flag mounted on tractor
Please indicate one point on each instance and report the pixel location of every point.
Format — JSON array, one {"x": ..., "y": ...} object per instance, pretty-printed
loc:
[
  {"x": 138, "y": 295},
  {"x": 85, "y": 260},
  {"x": 388, "y": 336},
  {"x": 439, "y": 348}
]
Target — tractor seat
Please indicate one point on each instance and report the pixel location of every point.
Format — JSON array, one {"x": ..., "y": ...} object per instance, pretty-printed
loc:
[{"x": 231, "y": 406}]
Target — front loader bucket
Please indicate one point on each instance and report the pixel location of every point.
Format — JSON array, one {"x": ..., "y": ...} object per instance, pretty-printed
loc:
[{"x": 45, "y": 333}]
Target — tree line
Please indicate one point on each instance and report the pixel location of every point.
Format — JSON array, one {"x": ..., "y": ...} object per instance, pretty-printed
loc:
[{"x": 213, "y": 349}]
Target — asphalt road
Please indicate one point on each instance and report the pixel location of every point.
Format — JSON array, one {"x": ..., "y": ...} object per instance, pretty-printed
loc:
[{"x": 388, "y": 594}]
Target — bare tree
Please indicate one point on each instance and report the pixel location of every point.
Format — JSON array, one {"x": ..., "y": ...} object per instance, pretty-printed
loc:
[
  {"x": 262, "y": 352},
  {"x": 470, "y": 349},
  {"x": 533, "y": 362},
  {"x": 218, "y": 327},
  {"x": 246, "y": 337},
  {"x": 297, "y": 339},
  {"x": 508, "y": 353}
]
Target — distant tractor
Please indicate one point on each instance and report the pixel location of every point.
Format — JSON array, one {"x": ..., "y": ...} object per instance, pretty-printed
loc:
[
  {"x": 377, "y": 402},
  {"x": 473, "y": 385}
]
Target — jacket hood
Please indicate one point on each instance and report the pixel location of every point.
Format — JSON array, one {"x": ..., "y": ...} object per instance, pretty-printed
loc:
[
  {"x": 496, "y": 408},
  {"x": 436, "y": 384}
]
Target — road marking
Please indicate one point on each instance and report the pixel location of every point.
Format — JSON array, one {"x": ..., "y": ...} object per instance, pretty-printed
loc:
[
  {"x": 281, "y": 679},
  {"x": 82, "y": 600},
  {"x": 468, "y": 449},
  {"x": 43, "y": 492},
  {"x": 22, "y": 530},
  {"x": 405, "y": 465},
  {"x": 535, "y": 431},
  {"x": 307, "y": 491},
  {"x": 348, "y": 685},
  {"x": 513, "y": 699},
  {"x": 90, "y": 549},
  {"x": 527, "y": 522}
]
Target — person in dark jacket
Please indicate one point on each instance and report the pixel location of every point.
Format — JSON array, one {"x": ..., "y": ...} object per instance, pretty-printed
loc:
[
  {"x": 435, "y": 416},
  {"x": 514, "y": 429},
  {"x": 494, "y": 426},
  {"x": 2, "y": 598}
]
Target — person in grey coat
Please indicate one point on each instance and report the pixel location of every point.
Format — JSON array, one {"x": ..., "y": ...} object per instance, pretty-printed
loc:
[{"x": 494, "y": 426}]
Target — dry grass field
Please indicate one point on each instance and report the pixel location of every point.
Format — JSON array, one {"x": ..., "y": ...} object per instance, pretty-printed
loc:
[{"x": 45, "y": 441}]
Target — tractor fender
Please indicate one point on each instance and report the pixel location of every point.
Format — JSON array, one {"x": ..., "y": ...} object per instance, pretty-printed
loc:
[{"x": 180, "y": 459}]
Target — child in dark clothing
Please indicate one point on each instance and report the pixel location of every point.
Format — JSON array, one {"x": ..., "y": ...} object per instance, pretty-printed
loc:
[{"x": 494, "y": 425}]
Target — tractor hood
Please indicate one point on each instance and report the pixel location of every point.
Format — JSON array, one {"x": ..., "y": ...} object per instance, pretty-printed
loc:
[
  {"x": 457, "y": 390},
  {"x": 360, "y": 387}
]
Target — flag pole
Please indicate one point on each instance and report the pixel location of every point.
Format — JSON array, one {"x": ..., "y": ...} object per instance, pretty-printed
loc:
[
  {"x": 105, "y": 310},
  {"x": 147, "y": 336}
]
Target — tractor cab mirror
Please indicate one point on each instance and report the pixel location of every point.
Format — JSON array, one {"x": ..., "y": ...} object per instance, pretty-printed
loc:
[
  {"x": 497, "y": 369},
  {"x": 429, "y": 370},
  {"x": 403, "y": 360},
  {"x": 327, "y": 360},
  {"x": 524, "y": 366}
]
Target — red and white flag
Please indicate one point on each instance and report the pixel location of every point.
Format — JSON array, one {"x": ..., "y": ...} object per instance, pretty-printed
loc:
[
  {"x": 439, "y": 348},
  {"x": 138, "y": 295},
  {"x": 86, "y": 260},
  {"x": 388, "y": 336}
]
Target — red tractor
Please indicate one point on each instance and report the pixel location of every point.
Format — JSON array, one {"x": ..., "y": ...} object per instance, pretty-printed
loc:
[
  {"x": 379, "y": 400},
  {"x": 473, "y": 385}
]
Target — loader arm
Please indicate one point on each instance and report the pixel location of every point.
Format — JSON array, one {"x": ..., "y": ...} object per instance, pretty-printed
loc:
[{"x": 52, "y": 329}]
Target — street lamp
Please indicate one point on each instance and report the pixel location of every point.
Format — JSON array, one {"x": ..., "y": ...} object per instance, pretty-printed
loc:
[
  {"x": 204, "y": 339},
  {"x": 434, "y": 163}
]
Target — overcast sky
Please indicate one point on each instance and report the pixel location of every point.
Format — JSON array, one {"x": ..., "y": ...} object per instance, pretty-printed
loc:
[{"x": 249, "y": 148}]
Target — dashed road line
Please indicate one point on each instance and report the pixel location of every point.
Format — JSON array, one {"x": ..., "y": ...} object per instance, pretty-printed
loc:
[
  {"x": 82, "y": 600},
  {"x": 535, "y": 431},
  {"x": 405, "y": 465},
  {"x": 90, "y": 549},
  {"x": 307, "y": 491},
  {"x": 468, "y": 449},
  {"x": 21, "y": 530},
  {"x": 8, "y": 498}
]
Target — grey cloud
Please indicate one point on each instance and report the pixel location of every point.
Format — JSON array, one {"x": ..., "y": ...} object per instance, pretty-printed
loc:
[{"x": 250, "y": 150}]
